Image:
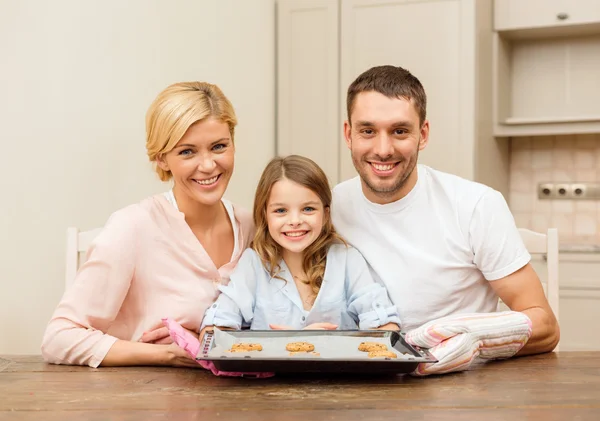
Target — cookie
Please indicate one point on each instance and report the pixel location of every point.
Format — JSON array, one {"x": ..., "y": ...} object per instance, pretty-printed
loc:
[
  {"x": 300, "y": 347},
  {"x": 244, "y": 347},
  {"x": 386, "y": 354},
  {"x": 372, "y": 346}
]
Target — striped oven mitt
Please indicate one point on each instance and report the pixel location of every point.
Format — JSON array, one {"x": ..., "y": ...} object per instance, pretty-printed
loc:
[
  {"x": 456, "y": 341},
  {"x": 191, "y": 345}
]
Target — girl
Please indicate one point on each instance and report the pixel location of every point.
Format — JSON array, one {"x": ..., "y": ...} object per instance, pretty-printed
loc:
[{"x": 299, "y": 273}]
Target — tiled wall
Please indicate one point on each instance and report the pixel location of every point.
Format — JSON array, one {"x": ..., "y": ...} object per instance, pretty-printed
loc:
[{"x": 573, "y": 158}]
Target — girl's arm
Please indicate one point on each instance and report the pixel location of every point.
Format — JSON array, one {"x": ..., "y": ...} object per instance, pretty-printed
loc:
[
  {"x": 235, "y": 304},
  {"x": 368, "y": 301}
]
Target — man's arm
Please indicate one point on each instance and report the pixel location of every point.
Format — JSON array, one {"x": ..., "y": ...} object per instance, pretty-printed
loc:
[{"x": 522, "y": 291}]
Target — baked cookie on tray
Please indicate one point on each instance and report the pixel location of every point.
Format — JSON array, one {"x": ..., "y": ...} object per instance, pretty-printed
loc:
[
  {"x": 300, "y": 347},
  {"x": 386, "y": 354},
  {"x": 245, "y": 347},
  {"x": 372, "y": 346}
]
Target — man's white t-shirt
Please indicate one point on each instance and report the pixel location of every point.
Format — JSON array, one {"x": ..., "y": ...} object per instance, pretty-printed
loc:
[{"x": 437, "y": 248}]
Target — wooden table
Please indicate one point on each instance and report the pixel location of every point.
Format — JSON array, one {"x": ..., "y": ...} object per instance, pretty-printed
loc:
[{"x": 563, "y": 386}]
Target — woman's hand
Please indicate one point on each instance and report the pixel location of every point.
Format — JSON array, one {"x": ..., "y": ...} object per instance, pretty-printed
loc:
[
  {"x": 159, "y": 335},
  {"x": 178, "y": 357},
  {"x": 313, "y": 326}
]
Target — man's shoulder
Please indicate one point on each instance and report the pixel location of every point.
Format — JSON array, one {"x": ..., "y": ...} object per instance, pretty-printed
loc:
[
  {"x": 464, "y": 193},
  {"x": 346, "y": 202},
  {"x": 347, "y": 189}
]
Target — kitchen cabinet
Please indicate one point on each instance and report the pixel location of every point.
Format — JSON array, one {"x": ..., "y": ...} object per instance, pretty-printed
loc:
[
  {"x": 529, "y": 14},
  {"x": 579, "y": 299},
  {"x": 324, "y": 45},
  {"x": 546, "y": 65}
]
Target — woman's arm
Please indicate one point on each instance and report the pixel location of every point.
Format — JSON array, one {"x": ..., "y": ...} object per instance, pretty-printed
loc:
[
  {"x": 75, "y": 334},
  {"x": 126, "y": 353}
]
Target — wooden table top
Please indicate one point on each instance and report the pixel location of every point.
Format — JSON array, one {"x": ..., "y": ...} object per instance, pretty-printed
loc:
[{"x": 558, "y": 386}]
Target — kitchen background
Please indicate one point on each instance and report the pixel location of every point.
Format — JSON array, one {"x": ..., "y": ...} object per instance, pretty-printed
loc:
[
  {"x": 512, "y": 98},
  {"x": 558, "y": 159}
]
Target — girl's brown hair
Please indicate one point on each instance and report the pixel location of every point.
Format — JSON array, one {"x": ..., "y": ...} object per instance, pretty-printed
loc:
[{"x": 308, "y": 174}]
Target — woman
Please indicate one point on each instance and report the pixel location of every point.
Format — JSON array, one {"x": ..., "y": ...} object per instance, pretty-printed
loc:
[{"x": 164, "y": 256}]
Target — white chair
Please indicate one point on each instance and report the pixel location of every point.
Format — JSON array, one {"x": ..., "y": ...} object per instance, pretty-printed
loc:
[
  {"x": 546, "y": 246},
  {"x": 77, "y": 243}
]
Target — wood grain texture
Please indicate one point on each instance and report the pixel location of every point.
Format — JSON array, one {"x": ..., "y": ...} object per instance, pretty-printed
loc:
[{"x": 544, "y": 387}]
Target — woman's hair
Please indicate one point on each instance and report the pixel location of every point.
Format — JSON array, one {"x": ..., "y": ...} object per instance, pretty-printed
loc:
[
  {"x": 178, "y": 107},
  {"x": 306, "y": 173}
]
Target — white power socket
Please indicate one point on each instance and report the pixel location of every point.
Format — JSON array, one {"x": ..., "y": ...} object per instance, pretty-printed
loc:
[{"x": 569, "y": 191}]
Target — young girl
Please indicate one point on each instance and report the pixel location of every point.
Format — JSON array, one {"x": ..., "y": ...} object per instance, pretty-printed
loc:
[{"x": 299, "y": 273}]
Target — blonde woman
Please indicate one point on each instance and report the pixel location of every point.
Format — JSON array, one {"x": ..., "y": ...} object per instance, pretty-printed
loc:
[{"x": 164, "y": 256}]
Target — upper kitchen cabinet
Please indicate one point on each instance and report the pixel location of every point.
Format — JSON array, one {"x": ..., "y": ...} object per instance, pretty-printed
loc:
[
  {"x": 555, "y": 15},
  {"x": 447, "y": 44},
  {"x": 546, "y": 67}
]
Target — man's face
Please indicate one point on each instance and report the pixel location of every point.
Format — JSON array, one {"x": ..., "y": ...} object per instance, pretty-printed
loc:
[{"x": 385, "y": 139}]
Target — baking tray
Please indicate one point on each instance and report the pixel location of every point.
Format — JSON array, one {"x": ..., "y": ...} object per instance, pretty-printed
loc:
[{"x": 336, "y": 352}]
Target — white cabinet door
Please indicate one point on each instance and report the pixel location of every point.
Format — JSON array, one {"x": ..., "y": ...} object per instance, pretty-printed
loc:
[
  {"x": 517, "y": 14},
  {"x": 307, "y": 85},
  {"x": 433, "y": 39},
  {"x": 524, "y": 14},
  {"x": 579, "y": 304},
  {"x": 582, "y": 11}
]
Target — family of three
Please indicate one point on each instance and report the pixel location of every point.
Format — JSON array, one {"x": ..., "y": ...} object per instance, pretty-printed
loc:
[{"x": 401, "y": 246}]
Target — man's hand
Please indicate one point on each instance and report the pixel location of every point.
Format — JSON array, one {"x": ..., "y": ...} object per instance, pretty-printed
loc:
[{"x": 457, "y": 341}]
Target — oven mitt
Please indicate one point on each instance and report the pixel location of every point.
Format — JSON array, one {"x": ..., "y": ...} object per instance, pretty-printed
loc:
[
  {"x": 456, "y": 341},
  {"x": 191, "y": 345}
]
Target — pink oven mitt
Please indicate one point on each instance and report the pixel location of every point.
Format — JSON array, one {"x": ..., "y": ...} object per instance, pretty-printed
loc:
[
  {"x": 458, "y": 341},
  {"x": 191, "y": 345}
]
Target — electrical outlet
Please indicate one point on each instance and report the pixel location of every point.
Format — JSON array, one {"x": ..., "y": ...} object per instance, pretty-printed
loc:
[{"x": 569, "y": 191}]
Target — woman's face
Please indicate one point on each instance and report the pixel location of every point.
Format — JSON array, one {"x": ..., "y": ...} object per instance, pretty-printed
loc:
[{"x": 201, "y": 162}]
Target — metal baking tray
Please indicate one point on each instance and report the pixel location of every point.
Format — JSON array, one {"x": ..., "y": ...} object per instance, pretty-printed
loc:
[{"x": 336, "y": 351}]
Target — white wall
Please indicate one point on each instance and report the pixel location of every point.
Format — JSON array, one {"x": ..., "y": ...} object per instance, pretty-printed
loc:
[{"x": 76, "y": 78}]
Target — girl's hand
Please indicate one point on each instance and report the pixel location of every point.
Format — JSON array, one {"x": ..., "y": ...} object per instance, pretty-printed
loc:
[
  {"x": 313, "y": 326},
  {"x": 389, "y": 326}
]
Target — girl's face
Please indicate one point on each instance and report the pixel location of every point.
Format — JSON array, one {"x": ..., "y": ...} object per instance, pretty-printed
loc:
[
  {"x": 201, "y": 162},
  {"x": 295, "y": 216}
]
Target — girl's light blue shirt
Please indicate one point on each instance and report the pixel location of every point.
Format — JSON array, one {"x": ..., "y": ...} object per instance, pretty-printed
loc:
[{"x": 349, "y": 297}]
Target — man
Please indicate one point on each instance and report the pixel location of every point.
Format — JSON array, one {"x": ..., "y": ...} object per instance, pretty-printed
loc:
[{"x": 442, "y": 245}]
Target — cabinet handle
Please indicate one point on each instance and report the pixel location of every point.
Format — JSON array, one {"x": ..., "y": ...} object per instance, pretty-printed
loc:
[{"x": 562, "y": 16}]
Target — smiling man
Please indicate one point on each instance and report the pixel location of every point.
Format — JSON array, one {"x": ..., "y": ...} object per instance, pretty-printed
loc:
[{"x": 442, "y": 245}]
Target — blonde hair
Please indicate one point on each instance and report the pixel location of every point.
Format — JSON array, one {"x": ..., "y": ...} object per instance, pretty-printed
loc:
[
  {"x": 307, "y": 173},
  {"x": 175, "y": 109}
]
